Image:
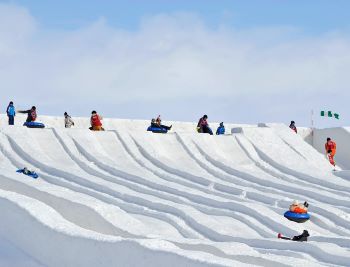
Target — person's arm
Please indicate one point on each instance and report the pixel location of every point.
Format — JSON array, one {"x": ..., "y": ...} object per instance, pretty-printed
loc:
[{"x": 24, "y": 111}]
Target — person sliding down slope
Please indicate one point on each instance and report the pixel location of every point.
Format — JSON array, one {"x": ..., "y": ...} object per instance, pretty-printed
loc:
[
  {"x": 158, "y": 123},
  {"x": 301, "y": 238},
  {"x": 331, "y": 148},
  {"x": 298, "y": 207}
]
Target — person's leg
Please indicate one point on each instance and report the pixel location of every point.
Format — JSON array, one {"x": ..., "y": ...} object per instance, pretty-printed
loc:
[
  {"x": 166, "y": 127},
  {"x": 97, "y": 128},
  {"x": 11, "y": 120},
  {"x": 206, "y": 129},
  {"x": 331, "y": 159},
  {"x": 329, "y": 155}
]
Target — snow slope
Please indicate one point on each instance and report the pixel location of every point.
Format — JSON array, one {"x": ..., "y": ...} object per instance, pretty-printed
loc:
[{"x": 127, "y": 197}]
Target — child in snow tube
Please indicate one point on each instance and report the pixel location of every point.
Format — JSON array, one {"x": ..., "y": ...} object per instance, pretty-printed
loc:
[
  {"x": 297, "y": 207},
  {"x": 297, "y": 212},
  {"x": 157, "y": 127}
]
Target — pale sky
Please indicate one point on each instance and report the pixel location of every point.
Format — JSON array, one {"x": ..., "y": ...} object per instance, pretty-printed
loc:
[{"x": 236, "y": 61}]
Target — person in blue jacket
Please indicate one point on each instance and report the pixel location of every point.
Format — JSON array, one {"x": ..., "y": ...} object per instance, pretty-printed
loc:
[
  {"x": 11, "y": 113},
  {"x": 221, "y": 129}
]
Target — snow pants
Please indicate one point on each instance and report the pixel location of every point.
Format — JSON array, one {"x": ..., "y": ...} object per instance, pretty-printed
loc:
[{"x": 11, "y": 119}]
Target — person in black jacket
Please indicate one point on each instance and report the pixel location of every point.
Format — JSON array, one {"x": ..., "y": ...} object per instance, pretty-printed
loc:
[
  {"x": 302, "y": 237},
  {"x": 31, "y": 114}
]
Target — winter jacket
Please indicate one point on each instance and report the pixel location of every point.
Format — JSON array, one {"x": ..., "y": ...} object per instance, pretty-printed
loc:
[
  {"x": 11, "y": 111},
  {"x": 68, "y": 122},
  {"x": 31, "y": 114},
  {"x": 332, "y": 146},
  {"x": 220, "y": 130},
  {"x": 95, "y": 120}
]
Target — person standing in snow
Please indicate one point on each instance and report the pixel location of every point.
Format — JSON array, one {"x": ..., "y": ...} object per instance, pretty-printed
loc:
[
  {"x": 331, "y": 148},
  {"x": 220, "y": 129},
  {"x": 31, "y": 114},
  {"x": 95, "y": 121},
  {"x": 293, "y": 127},
  {"x": 203, "y": 126},
  {"x": 68, "y": 122},
  {"x": 11, "y": 113}
]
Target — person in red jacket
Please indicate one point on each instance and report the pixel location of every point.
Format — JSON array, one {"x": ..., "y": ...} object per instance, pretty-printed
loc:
[
  {"x": 31, "y": 114},
  {"x": 203, "y": 126},
  {"x": 95, "y": 121},
  {"x": 331, "y": 148}
]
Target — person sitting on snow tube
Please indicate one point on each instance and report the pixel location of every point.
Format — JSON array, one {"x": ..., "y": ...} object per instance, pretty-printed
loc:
[
  {"x": 95, "y": 121},
  {"x": 220, "y": 129},
  {"x": 158, "y": 123},
  {"x": 157, "y": 127},
  {"x": 297, "y": 207},
  {"x": 203, "y": 126},
  {"x": 31, "y": 114}
]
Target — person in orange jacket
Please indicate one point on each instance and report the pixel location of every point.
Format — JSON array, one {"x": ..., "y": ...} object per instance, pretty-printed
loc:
[
  {"x": 298, "y": 207},
  {"x": 331, "y": 148}
]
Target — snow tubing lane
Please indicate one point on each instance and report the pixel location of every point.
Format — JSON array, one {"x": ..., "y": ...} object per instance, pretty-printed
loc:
[
  {"x": 297, "y": 217},
  {"x": 33, "y": 124},
  {"x": 157, "y": 130}
]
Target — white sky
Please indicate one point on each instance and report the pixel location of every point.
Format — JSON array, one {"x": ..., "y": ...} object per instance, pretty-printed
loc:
[{"x": 174, "y": 65}]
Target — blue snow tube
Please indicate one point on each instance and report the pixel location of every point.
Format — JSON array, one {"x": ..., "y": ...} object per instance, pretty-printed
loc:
[
  {"x": 31, "y": 174},
  {"x": 297, "y": 217},
  {"x": 34, "y": 124},
  {"x": 157, "y": 129}
]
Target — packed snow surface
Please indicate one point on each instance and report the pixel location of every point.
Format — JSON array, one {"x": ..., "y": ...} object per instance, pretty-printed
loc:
[{"x": 127, "y": 197}]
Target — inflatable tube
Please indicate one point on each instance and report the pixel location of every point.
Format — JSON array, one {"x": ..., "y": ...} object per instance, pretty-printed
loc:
[
  {"x": 31, "y": 174},
  {"x": 34, "y": 124},
  {"x": 157, "y": 129},
  {"x": 297, "y": 217}
]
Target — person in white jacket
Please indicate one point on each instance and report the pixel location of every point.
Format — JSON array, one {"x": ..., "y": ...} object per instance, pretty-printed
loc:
[{"x": 68, "y": 122}]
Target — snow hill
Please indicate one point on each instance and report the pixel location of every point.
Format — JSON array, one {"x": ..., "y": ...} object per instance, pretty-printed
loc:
[{"x": 127, "y": 197}]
